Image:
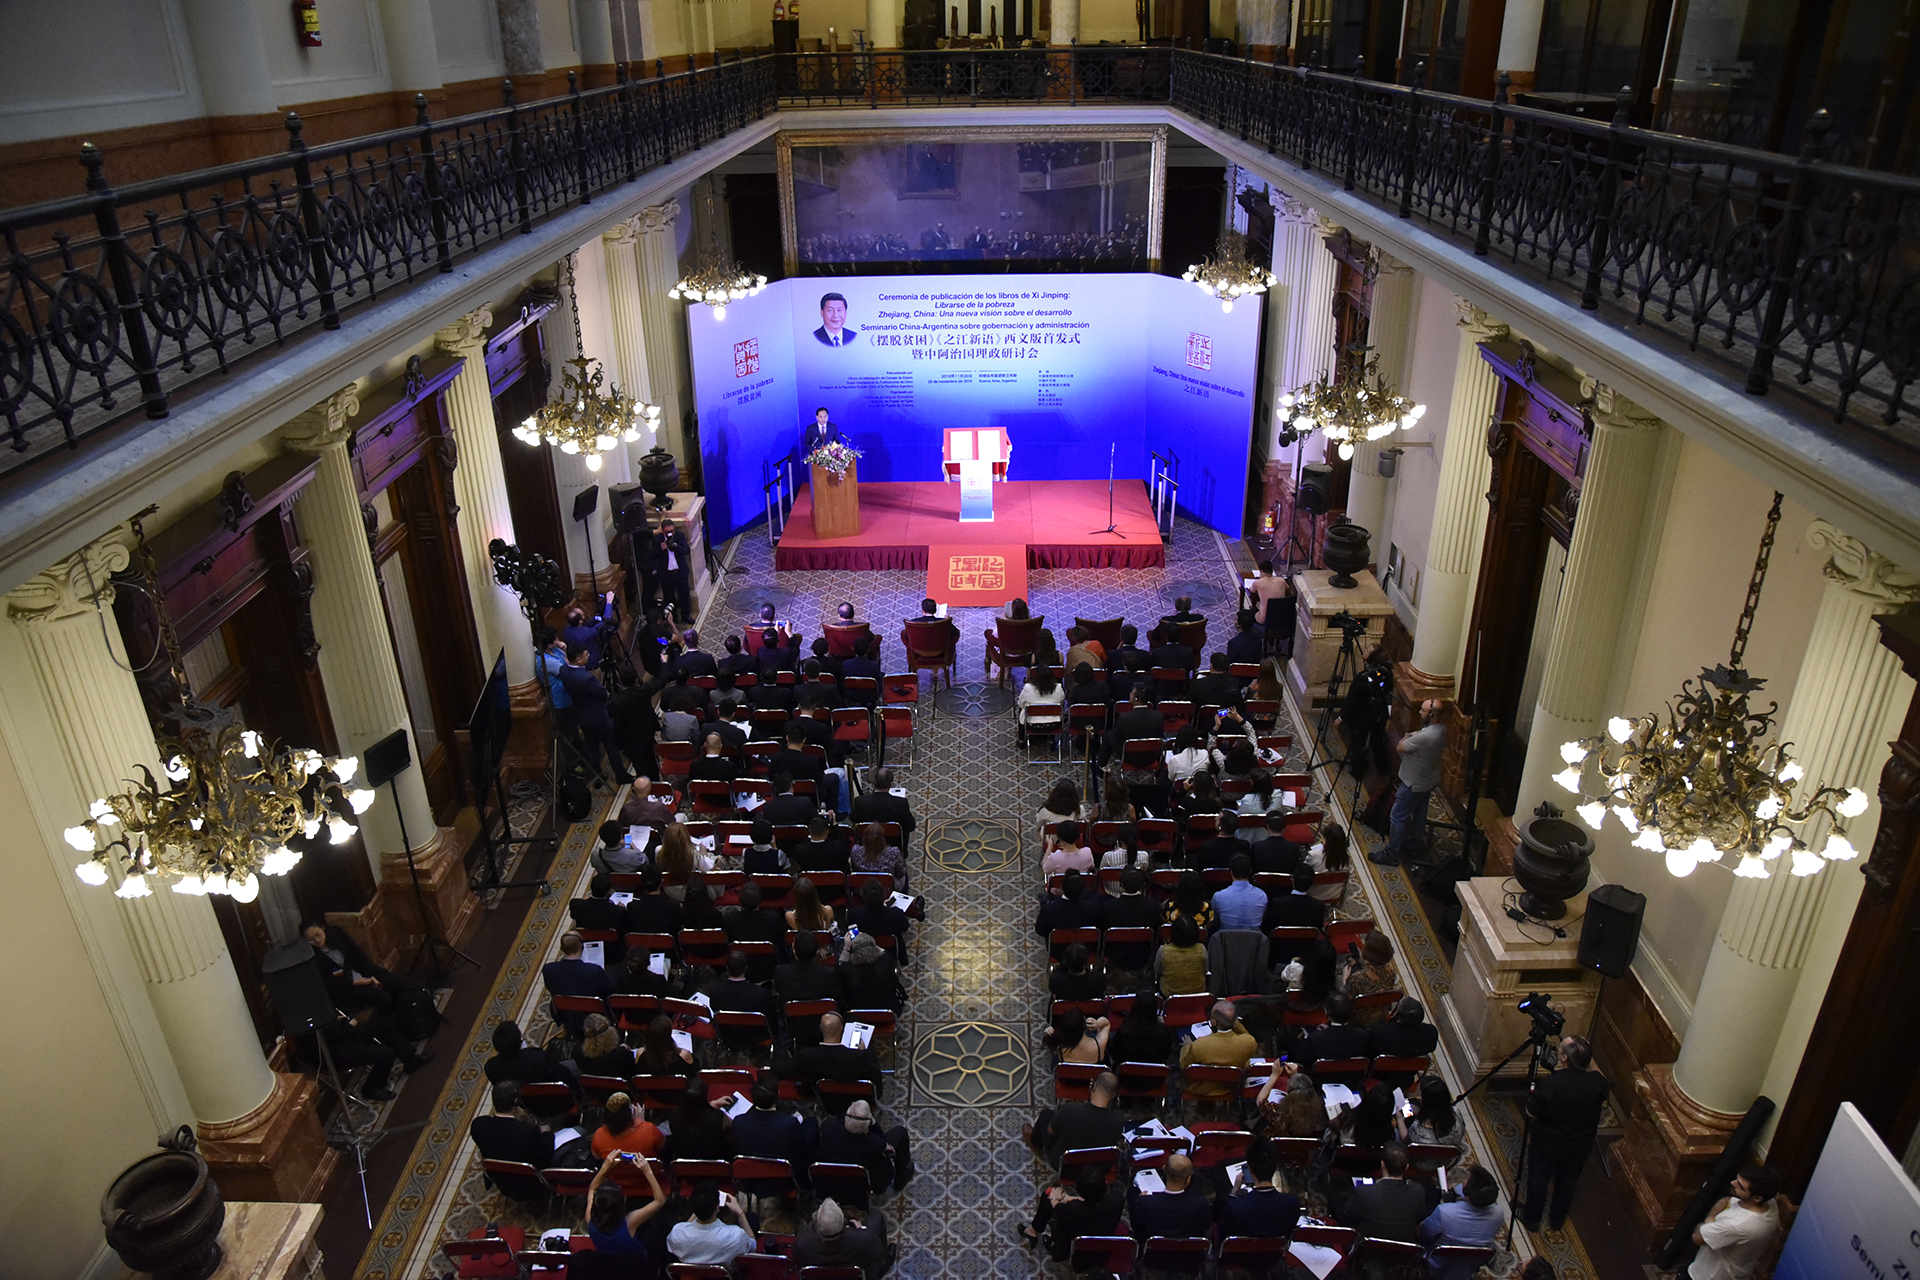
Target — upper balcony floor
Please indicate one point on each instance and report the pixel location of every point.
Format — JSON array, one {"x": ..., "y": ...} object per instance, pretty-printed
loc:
[{"x": 1777, "y": 293}]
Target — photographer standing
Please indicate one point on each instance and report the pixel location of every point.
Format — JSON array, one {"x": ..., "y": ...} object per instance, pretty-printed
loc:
[
  {"x": 1420, "y": 753},
  {"x": 1565, "y": 1107},
  {"x": 1363, "y": 716},
  {"x": 671, "y": 570}
]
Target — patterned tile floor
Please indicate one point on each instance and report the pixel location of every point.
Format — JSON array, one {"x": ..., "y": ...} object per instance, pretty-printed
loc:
[{"x": 978, "y": 1004}]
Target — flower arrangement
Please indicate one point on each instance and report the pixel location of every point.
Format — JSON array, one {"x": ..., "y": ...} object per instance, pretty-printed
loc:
[{"x": 835, "y": 457}]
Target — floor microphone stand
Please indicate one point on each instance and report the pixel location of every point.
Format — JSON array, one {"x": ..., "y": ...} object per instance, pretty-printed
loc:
[{"x": 1113, "y": 526}]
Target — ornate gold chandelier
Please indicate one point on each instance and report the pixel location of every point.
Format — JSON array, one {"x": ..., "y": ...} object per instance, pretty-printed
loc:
[
  {"x": 1352, "y": 407},
  {"x": 1704, "y": 783},
  {"x": 231, "y": 802},
  {"x": 1227, "y": 275},
  {"x": 715, "y": 282},
  {"x": 585, "y": 416}
]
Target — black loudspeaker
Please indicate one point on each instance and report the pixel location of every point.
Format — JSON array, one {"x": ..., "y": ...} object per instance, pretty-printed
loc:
[
  {"x": 629, "y": 506},
  {"x": 1316, "y": 486},
  {"x": 386, "y": 758},
  {"x": 293, "y": 980},
  {"x": 586, "y": 502},
  {"x": 1611, "y": 929}
]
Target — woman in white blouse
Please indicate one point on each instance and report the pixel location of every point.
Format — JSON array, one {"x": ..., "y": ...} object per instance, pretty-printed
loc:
[
  {"x": 1040, "y": 690},
  {"x": 1188, "y": 757}
]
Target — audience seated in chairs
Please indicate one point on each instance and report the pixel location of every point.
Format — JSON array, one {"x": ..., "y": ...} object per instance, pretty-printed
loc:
[
  {"x": 1071, "y": 908},
  {"x": 509, "y": 1133},
  {"x": 1180, "y": 966},
  {"x": 614, "y": 1228},
  {"x": 855, "y": 1138},
  {"x": 810, "y": 976},
  {"x": 1390, "y": 1208},
  {"x": 1141, "y": 1036},
  {"x": 1473, "y": 1220},
  {"x": 1228, "y": 1045},
  {"x": 1371, "y": 972},
  {"x": 1088, "y": 1206},
  {"x": 716, "y": 1232},
  {"x": 1064, "y": 852},
  {"x": 1076, "y": 1126},
  {"x": 830, "y": 1238},
  {"x": 625, "y": 1130},
  {"x": 1181, "y": 1211},
  {"x": 868, "y": 977},
  {"x": 1298, "y": 1112},
  {"x": 1074, "y": 1037},
  {"x": 1255, "y": 1206},
  {"x": 1407, "y": 1034},
  {"x": 831, "y": 1060}
]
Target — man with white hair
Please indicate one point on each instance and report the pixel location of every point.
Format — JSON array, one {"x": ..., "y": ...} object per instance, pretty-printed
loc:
[
  {"x": 1227, "y": 1044},
  {"x": 831, "y": 1239},
  {"x": 854, "y": 1138}
]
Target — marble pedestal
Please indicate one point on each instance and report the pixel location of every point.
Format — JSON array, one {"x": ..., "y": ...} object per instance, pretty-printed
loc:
[
  {"x": 1500, "y": 960},
  {"x": 267, "y": 1241},
  {"x": 1316, "y": 641}
]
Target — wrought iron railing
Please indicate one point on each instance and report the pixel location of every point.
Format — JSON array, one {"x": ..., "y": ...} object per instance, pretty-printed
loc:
[
  {"x": 976, "y": 77},
  {"x": 1781, "y": 274},
  {"x": 118, "y": 300},
  {"x": 1787, "y": 276}
]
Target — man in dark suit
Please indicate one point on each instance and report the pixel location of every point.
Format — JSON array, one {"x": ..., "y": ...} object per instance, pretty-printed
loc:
[
  {"x": 748, "y": 921},
  {"x": 694, "y": 660},
  {"x": 943, "y": 629},
  {"x": 1071, "y": 908},
  {"x": 715, "y": 765},
  {"x": 1338, "y": 1039},
  {"x": 811, "y": 974},
  {"x": 833, "y": 330},
  {"x": 681, "y": 694},
  {"x": 590, "y": 713},
  {"x": 1298, "y": 909},
  {"x": 770, "y": 694},
  {"x": 738, "y": 993},
  {"x": 1182, "y": 612},
  {"x": 1131, "y": 908},
  {"x": 1276, "y": 854},
  {"x": 1075, "y": 1126},
  {"x": 772, "y": 1134},
  {"x": 1223, "y": 848},
  {"x": 856, "y": 1138},
  {"x": 822, "y": 850},
  {"x": 595, "y": 912},
  {"x": 880, "y": 805},
  {"x": 736, "y": 660},
  {"x": 830, "y": 1239},
  {"x": 1180, "y": 657},
  {"x": 1407, "y": 1034},
  {"x": 570, "y": 975},
  {"x": 795, "y": 760},
  {"x": 863, "y": 662},
  {"x": 787, "y": 809},
  {"x": 813, "y": 691},
  {"x": 509, "y": 1134},
  {"x": 1246, "y": 644},
  {"x": 1262, "y": 1209},
  {"x": 831, "y": 1060},
  {"x": 1181, "y": 1211},
  {"x": 671, "y": 569},
  {"x": 651, "y": 910},
  {"x": 818, "y": 432},
  {"x": 1217, "y": 688},
  {"x": 1129, "y": 647},
  {"x": 1390, "y": 1209}
]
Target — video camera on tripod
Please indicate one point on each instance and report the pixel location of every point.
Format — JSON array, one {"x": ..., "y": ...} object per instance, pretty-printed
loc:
[
  {"x": 1350, "y": 627},
  {"x": 1547, "y": 1020}
]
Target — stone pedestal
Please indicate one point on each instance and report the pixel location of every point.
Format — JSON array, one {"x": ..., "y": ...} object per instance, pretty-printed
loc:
[
  {"x": 277, "y": 1151},
  {"x": 1316, "y": 641},
  {"x": 1495, "y": 968},
  {"x": 1668, "y": 1149},
  {"x": 268, "y": 1242},
  {"x": 442, "y": 868},
  {"x": 689, "y": 511}
]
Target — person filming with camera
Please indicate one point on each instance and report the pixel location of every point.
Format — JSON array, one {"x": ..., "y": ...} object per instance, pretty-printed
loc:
[
  {"x": 1565, "y": 1108},
  {"x": 1420, "y": 753}
]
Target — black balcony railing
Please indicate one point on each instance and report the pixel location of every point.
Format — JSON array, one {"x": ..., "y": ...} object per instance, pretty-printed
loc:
[
  {"x": 1789, "y": 277},
  {"x": 119, "y": 299},
  {"x": 1781, "y": 274}
]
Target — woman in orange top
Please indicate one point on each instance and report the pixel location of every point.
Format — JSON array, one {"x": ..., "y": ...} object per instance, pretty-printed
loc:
[{"x": 626, "y": 1131}]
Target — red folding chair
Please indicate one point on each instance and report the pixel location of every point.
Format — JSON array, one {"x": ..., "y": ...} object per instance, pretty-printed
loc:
[
  {"x": 1142, "y": 755},
  {"x": 1175, "y": 1255},
  {"x": 659, "y": 1095},
  {"x": 1157, "y": 837},
  {"x": 1351, "y": 1072},
  {"x": 803, "y": 1019},
  {"x": 1339, "y": 1239},
  {"x": 1046, "y": 724},
  {"x": 696, "y": 1271},
  {"x": 852, "y": 724},
  {"x": 1101, "y": 1255},
  {"x": 516, "y": 1180},
  {"x": 676, "y": 760},
  {"x": 847, "y": 1183},
  {"x": 1341, "y": 933},
  {"x": 482, "y": 1257},
  {"x": 1459, "y": 1259},
  {"x": 761, "y": 1266},
  {"x": 1060, "y": 939},
  {"x": 1213, "y": 1147},
  {"x": 706, "y": 948},
  {"x": 1143, "y": 1081},
  {"x": 1396, "y": 1073},
  {"x": 1251, "y": 1255},
  {"x": 1203, "y": 1082},
  {"x": 1073, "y": 1080},
  {"x": 1080, "y": 1159},
  {"x": 711, "y": 797},
  {"x": 1181, "y": 1012},
  {"x": 691, "y": 1173},
  {"x": 1385, "y": 1257},
  {"x": 896, "y": 723}
]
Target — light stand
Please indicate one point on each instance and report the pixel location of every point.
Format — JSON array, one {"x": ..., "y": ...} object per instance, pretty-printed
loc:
[
  {"x": 385, "y": 761},
  {"x": 1546, "y": 1024},
  {"x": 1112, "y": 526},
  {"x": 357, "y": 1136}
]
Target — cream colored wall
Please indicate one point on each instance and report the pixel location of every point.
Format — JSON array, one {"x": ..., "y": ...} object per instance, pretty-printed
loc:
[
  {"x": 137, "y": 69},
  {"x": 351, "y": 59},
  {"x": 1108, "y": 20},
  {"x": 61, "y": 1157},
  {"x": 1436, "y": 345},
  {"x": 1696, "y": 587},
  {"x": 559, "y": 34},
  {"x": 466, "y": 34}
]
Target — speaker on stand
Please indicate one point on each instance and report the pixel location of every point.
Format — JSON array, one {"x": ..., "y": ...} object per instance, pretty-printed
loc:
[{"x": 1609, "y": 935}]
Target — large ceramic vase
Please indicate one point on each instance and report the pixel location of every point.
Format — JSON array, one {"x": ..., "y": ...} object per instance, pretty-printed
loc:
[
  {"x": 658, "y": 474},
  {"x": 1346, "y": 550},
  {"x": 163, "y": 1215},
  {"x": 1551, "y": 862}
]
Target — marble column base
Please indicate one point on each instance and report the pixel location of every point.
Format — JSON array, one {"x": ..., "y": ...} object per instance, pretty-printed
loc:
[
  {"x": 277, "y": 1151},
  {"x": 1415, "y": 686},
  {"x": 373, "y": 927},
  {"x": 1669, "y": 1148},
  {"x": 443, "y": 883},
  {"x": 604, "y": 580},
  {"x": 526, "y": 753}
]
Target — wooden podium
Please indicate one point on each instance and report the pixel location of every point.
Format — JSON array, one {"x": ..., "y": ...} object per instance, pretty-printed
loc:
[{"x": 836, "y": 503}]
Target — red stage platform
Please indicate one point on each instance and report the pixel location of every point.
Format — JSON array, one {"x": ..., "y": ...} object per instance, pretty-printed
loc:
[{"x": 899, "y": 521}]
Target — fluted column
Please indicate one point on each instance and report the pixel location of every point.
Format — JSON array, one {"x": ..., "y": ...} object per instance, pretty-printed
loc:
[
  {"x": 883, "y": 23},
  {"x": 104, "y": 737},
  {"x": 1066, "y": 21},
  {"x": 1300, "y": 322},
  {"x": 480, "y": 487},
  {"x": 1460, "y": 506},
  {"x": 364, "y": 692},
  {"x": 619, "y": 246},
  {"x": 413, "y": 52},
  {"x": 1845, "y": 706},
  {"x": 1390, "y": 333},
  {"x": 662, "y": 322},
  {"x": 1588, "y": 639}
]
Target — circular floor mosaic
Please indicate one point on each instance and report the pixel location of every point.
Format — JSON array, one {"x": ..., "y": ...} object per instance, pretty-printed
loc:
[
  {"x": 975, "y": 699},
  {"x": 973, "y": 844},
  {"x": 972, "y": 1064},
  {"x": 1206, "y": 595},
  {"x": 748, "y": 599}
]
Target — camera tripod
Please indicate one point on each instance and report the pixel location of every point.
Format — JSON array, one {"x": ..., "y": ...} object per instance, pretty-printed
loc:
[
  {"x": 1346, "y": 668},
  {"x": 347, "y": 1128}
]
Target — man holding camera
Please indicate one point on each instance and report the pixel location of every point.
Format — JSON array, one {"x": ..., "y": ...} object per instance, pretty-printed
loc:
[
  {"x": 1420, "y": 753},
  {"x": 1565, "y": 1107}
]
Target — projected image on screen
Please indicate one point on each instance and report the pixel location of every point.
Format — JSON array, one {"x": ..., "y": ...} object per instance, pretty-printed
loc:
[{"x": 920, "y": 202}]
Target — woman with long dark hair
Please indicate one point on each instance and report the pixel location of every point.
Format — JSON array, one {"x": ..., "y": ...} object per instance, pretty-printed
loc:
[
  {"x": 1190, "y": 900},
  {"x": 612, "y": 1227},
  {"x": 875, "y": 856}
]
